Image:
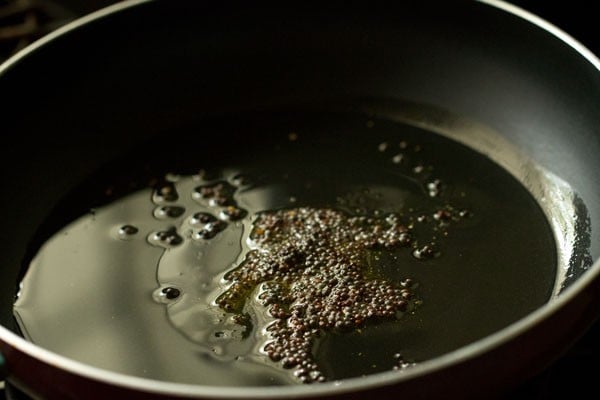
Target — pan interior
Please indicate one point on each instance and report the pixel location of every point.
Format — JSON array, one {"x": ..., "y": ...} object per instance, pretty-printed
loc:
[{"x": 508, "y": 246}]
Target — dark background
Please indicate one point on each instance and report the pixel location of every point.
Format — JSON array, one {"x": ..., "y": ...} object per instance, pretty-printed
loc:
[{"x": 575, "y": 17}]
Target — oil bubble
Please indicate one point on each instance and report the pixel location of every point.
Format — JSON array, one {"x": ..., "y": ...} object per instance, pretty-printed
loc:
[
  {"x": 165, "y": 192},
  {"x": 166, "y": 294},
  {"x": 442, "y": 215},
  {"x": 202, "y": 218},
  {"x": 418, "y": 169},
  {"x": 434, "y": 187},
  {"x": 240, "y": 180},
  {"x": 397, "y": 159},
  {"x": 426, "y": 252},
  {"x": 209, "y": 230},
  {"x": 400, "y": 363},
  {"x": 126, "y": 232},
  {"x": 171, "y": 292},
  {"x": 166, "y": 239},
  {"x": 232, "y": 213},
  {"x": 165, "y": 212},
  {"x": 220, "y": 201},
  {"x": 216, "y": 194}
]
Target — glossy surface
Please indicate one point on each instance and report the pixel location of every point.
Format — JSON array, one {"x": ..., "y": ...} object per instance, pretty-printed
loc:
[{"x": 90, "y": 287}]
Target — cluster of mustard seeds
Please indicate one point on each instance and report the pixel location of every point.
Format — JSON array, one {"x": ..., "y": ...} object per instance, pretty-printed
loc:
[{"x": 312, "y": 273}]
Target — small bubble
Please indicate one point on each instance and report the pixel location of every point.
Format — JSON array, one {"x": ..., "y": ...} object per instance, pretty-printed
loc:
[
  {"x": 166, "y": 295},
  {"x": 418, "y": 169},
  {"x": 403, "y": 145},
  {"x": 202, "y": 218},
  {"x": 442, "y": 215},
  {"x": 383, "y": 146},
  {"x": 292, "y": 199},
  {"x": 401, "y": 363},
  {"x": 292, "y": 136},
  {"x": 370, "y": 124},
  {"x": 434, "y": 188},
  {"x": 198, "y": 176},
  {"x": 209, "y": 230},
  {"x": 171, "y": 292},
  {"x": 127, "y": 231},
  {"x": 165, "y": 192},
  {"x": 422, "y": 218},
  {"x": 217, "y": 194},
  {"x": 407, "y": 283},
  {"x": 167, "y": 239},
  {"x": 397, "y": 159},
  {"x": 232, "y": 213},
  {"x": 239, "y": 180},
  {"x": 164, "y": 212},
  {"x": 425, "y": 252},
  {"x": 204, "y": 192}
]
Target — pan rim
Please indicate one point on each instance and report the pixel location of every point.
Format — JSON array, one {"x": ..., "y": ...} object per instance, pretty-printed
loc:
[{"x": 450, "y": 359}]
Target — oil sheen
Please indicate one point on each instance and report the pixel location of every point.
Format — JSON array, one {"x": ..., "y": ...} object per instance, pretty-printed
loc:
[{"x": 280, "y": 248}]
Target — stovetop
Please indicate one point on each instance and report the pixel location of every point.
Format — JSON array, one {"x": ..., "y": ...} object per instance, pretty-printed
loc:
[{"x": 23, "y": 21}]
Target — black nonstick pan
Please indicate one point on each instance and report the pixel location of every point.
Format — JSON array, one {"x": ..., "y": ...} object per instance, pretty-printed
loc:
[{"x": 126, "y": 93}]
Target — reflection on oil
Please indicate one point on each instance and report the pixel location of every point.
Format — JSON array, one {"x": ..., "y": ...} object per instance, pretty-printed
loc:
[{"x": 133, "y": 287}]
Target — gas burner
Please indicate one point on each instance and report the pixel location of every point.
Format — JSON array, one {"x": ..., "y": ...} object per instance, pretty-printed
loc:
[{"x": 24, "y": 21}]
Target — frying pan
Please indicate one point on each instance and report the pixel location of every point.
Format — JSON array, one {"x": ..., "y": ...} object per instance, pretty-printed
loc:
[{"x": 485, "y": 73}]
